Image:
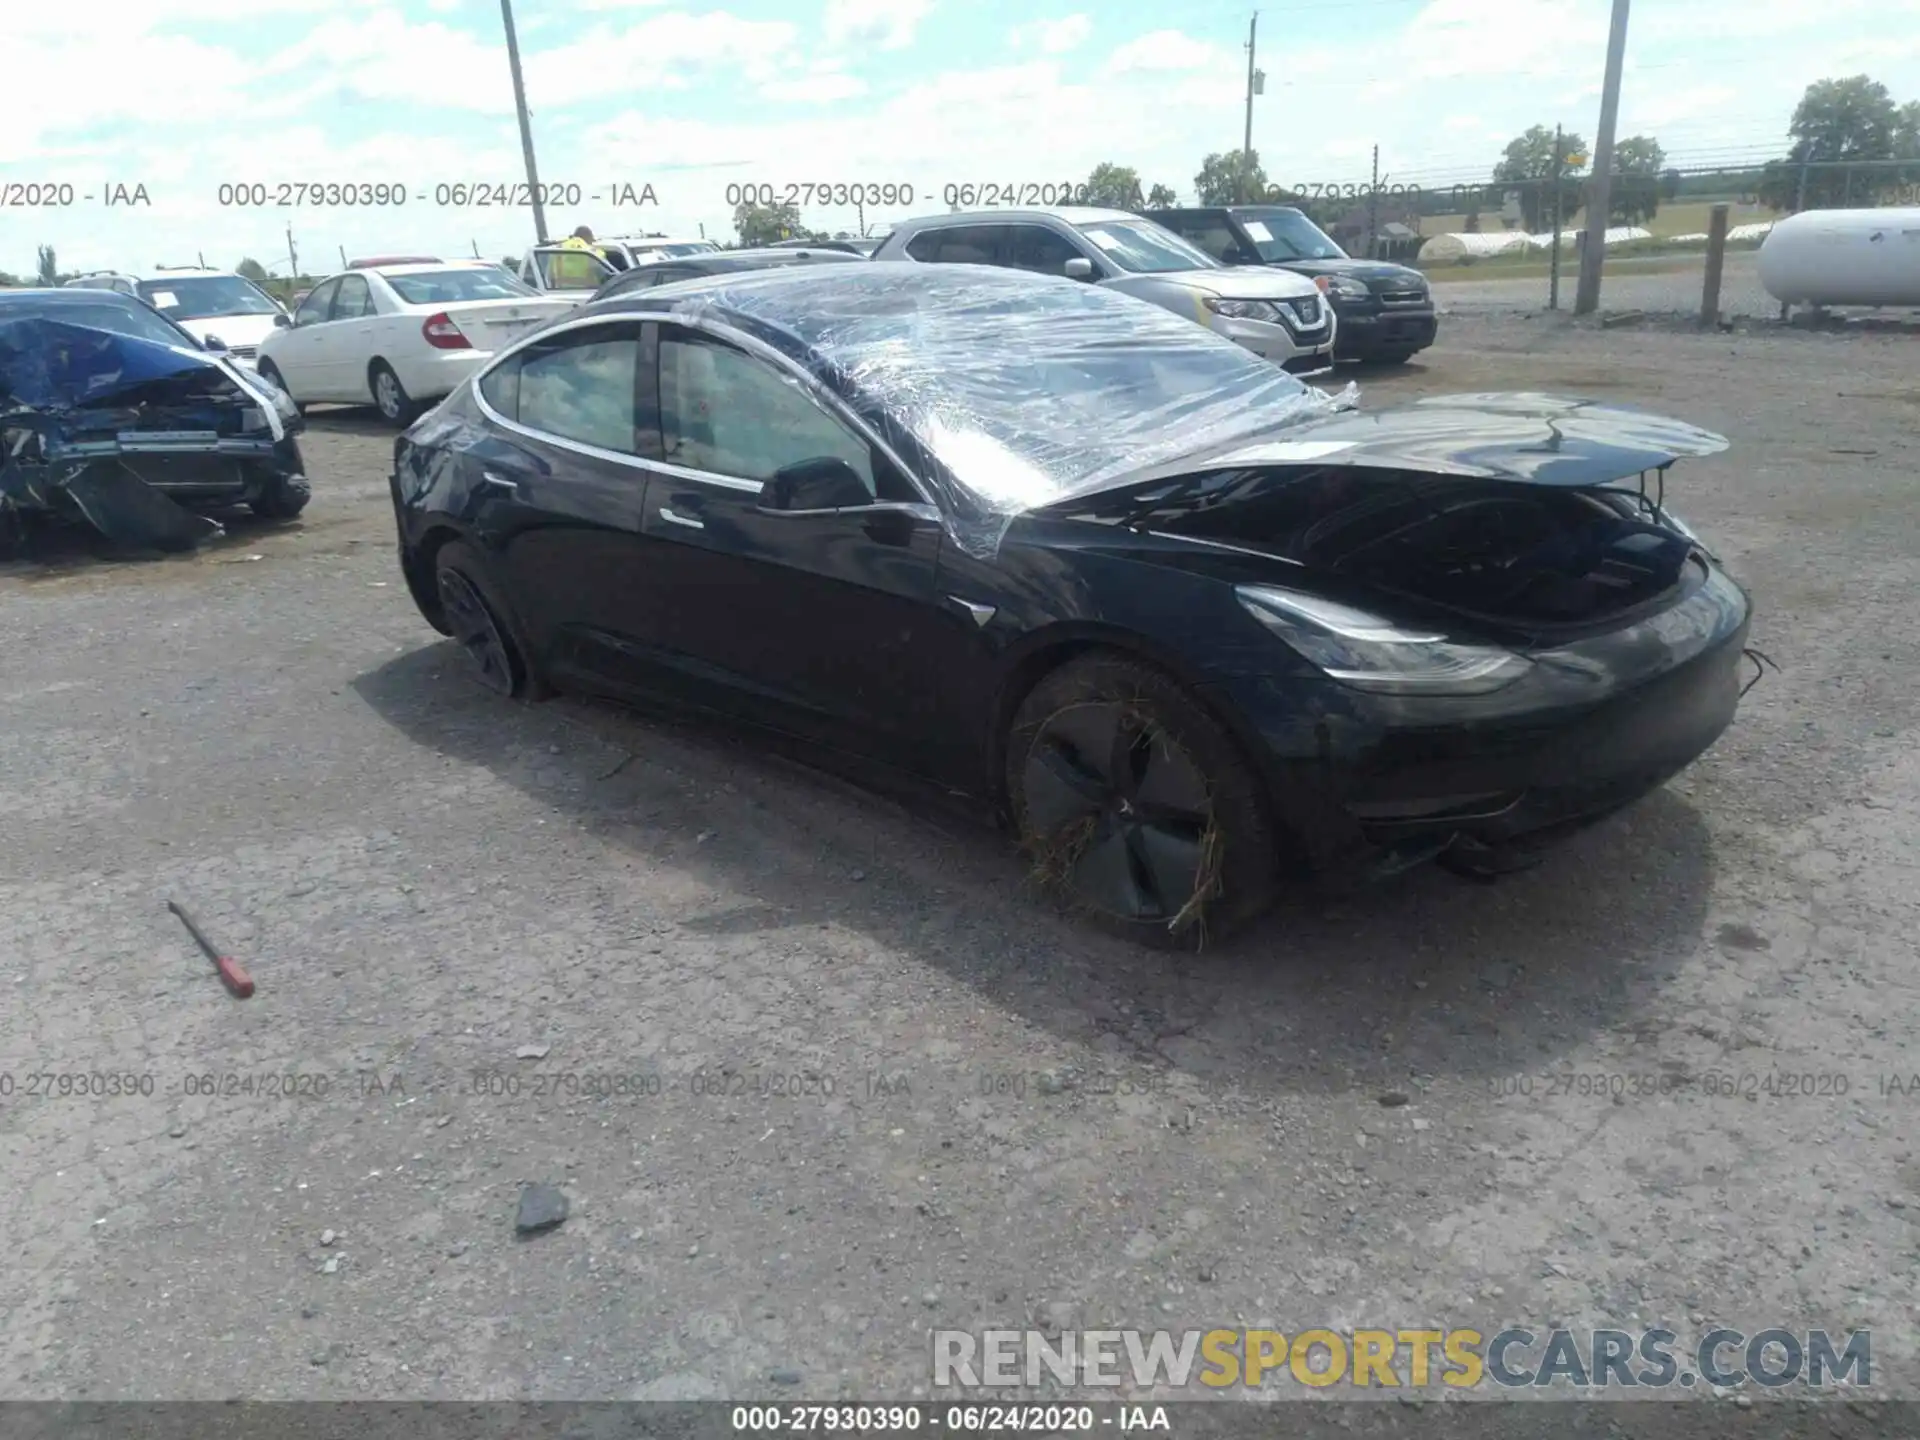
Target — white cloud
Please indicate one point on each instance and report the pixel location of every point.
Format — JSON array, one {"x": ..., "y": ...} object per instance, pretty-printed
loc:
[
  {"x": 823, "y": 87},
  {"x": 1169, "y": 50},
  {"x": 1052, "y": 37},
  {"x": 690, "y": 98},
  {"x": 889, "y": 23},
  {"x": 657, "y": 52}
]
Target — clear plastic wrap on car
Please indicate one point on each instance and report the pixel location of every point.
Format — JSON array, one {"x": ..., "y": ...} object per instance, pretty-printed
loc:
[{"x": 1028, "y": 390}]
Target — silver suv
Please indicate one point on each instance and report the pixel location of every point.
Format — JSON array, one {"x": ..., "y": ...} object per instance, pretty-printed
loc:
[{"x": 1276, "y": 314}]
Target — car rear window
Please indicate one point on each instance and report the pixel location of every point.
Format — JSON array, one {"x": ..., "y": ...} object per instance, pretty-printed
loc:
[{"x": 450, "y": 287}]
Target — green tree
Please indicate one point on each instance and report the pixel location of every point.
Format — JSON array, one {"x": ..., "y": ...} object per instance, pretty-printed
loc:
[
  {"x": 251, "y": 269},
  {"x": 1115, "y": 186},
  {"x": 765, "y": 224},
  {"x": 1906, "y": 140},
  {"x": 1528, "y": 165},
  {"x": 1161, "y": 197},
  {"x": 1230, "y": 176},
  {"x": 49, "y": 271},
  {"x": 1838, "y": 123},
  {"x": 1634, "y": 197}
]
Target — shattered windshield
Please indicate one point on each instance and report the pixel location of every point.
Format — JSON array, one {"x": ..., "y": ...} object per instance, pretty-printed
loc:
[
  {"x": 1028, "y": 389},
  {"x": 200, "y": 297}
]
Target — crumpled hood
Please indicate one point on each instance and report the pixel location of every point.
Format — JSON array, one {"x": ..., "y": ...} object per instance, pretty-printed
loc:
[
  {"x": 50, "y": 364},
  {"x": 113, "y": 427},
  {"x": 1530, "y": 437}
]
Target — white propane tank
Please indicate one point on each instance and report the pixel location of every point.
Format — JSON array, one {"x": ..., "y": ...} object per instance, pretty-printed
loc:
[{"x": 1844, "y": 257}]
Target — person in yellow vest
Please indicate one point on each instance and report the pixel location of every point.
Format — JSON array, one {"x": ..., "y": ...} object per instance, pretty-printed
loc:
[{"x": 571, "y": 269}]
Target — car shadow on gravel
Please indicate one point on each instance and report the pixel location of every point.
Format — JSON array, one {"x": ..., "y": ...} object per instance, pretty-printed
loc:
[
  {"x": 350, "y": 420},
  {"x": 1422, "y": 976},
  {"x": 53, "y": 552}
]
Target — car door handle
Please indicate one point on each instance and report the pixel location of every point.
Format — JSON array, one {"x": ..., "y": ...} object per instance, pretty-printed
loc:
[
  {"x": 674, "y": 518},
  {"x": 499, "y": 482}
]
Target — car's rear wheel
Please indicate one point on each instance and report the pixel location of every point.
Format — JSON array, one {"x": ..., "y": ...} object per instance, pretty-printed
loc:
[
  {"x": 269, "y": 371},
  {"x": 390, "y": 397},
  {"x": 1136, "y": 807},
  {"x": 478, "y": 623}
]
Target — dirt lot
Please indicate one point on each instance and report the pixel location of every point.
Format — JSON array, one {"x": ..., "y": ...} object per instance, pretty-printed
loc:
[{"x": 1026, "y": 1120}]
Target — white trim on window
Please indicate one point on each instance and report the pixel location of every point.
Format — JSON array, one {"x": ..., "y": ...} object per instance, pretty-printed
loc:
[{"x": 751, "y": 344}]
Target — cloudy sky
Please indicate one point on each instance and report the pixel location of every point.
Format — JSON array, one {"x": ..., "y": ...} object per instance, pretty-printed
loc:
[{"x": 691, "y": 96}]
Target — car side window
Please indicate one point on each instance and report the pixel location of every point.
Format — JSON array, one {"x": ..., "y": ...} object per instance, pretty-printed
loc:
[
  {"x": 314, "y": 308},
  {"x": 959, "y": 245},
  {"x": 580, "y": 386},
  {"x": 1039, "y": 249},
  {"x": 1215, "y": 237},
  {"x": 500, "y": 388},
  {"x": 730, "y": 413},
  {"x": 354, "y": 300}
]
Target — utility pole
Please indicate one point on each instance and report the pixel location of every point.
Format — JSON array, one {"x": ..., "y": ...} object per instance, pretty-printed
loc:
[
  {"x": 1553, "y": 266},
  {"x": 1600, "y": 192},
  {"x": 1246, "y": 146},
  {"x": 293, "y": 255},
  {"x": 1373, "y": 204},
  {"x": 526, "y": 124}
]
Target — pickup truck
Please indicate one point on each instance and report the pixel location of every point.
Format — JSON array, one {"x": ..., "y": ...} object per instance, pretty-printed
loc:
[{"x": 567, "y": 271}]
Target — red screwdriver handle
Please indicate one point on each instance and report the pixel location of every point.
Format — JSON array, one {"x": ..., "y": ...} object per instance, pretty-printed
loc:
[{"x": 234, "y": 975}]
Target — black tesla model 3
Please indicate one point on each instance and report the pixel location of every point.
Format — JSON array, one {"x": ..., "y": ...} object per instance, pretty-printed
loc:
[{"x": 1190, "y": 626}]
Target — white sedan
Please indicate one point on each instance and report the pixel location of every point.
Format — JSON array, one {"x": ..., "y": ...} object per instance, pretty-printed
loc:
[{"x": 400, "y": 336}]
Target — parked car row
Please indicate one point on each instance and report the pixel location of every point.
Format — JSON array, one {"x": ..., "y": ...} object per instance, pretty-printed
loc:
[{"x": 400, "y": 332}]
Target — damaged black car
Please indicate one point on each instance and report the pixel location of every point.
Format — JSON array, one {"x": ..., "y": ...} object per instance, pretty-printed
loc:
[
  {"x": 114, "y": 417},
  {"x": 1191, "y": 626}
]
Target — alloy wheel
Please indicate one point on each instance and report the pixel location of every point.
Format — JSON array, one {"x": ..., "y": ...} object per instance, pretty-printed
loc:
[
  {"x": 386, "y": 394},
  {"x": 474, "y": 629},
  {"x": 1122, "y": 808}
]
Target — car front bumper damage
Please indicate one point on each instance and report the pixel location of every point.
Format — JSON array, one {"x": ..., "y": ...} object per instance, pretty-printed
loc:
[{"x": 96, "y": 428}]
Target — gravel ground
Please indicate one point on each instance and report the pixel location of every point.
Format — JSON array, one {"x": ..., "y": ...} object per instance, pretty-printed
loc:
[{"x": 445, "y": 898}]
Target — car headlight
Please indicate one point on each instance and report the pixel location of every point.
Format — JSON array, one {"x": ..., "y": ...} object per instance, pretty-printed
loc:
[
  {"x": 1345, "y": 286},
  {"x": 1242, "y": 309},
  {"x": 267, "y": 390},
  {"x": 1367, "y": 652}
]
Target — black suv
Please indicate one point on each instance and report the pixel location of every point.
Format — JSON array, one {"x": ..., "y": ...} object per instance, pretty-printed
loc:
[{"x": 1386, "y": 311}]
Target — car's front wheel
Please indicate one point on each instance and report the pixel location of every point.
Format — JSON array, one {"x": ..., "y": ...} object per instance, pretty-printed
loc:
[
  {"x": 390, "y": 397},
  {"x": 479, "y": 624},
  {"x": 1136, "y": 807},
  {"x": 282, "y": 497}
]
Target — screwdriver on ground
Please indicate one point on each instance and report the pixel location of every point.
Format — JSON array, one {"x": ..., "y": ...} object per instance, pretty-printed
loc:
[{"x": 232, "y": 974}]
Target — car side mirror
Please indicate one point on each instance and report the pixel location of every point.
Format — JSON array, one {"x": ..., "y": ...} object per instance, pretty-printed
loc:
[
  {"x": 1078, "y": 268},
  {"x": 215, "y": 344},
  {"x": 282, "y": 320},
  {"x": 826, "y": 483}
]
